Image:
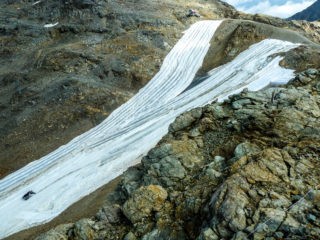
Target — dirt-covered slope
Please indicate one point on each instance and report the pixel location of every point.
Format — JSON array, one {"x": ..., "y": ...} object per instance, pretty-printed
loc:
[
  {"x": 57, "y": 82},
  {"x": 246, "y": 168}
]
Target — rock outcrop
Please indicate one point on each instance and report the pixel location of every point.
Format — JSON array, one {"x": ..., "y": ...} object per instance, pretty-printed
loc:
[
  {"x": 247, "y": 168},
  {"x": 65, "y": 65}
]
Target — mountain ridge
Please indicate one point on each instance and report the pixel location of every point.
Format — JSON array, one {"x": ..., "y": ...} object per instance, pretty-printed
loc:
[{"x": 311, "y": 13}]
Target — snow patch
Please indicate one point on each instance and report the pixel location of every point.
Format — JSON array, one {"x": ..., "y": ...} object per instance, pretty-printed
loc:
[
  {"x": 106, "y": 151},
  {"x": 50, "y": 25}
]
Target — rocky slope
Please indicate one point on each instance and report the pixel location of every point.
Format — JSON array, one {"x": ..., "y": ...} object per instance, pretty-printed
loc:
[
  {"x": 244, "y": 169},
  {"x": 221, "y": 172},
  {"x": 57, "y": 82},
  {"x": 311, "y": 13}
]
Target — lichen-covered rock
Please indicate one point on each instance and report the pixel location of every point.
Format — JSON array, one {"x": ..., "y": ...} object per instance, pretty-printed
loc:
[
  {"x": 244, "y": 169},
  {"x": 208, "y": 234},
  {"x": 144, "y": 202},
  {"x": 245, "y": 148},
  {"x": 186, "y": 120},
  {"x": 58, "y": 233},
  {"x": 109, "y": 214},
  {"x": 130, "y": 236},
  {"x": 168, "y": 170},
  {"x": 83, "y": 229}
]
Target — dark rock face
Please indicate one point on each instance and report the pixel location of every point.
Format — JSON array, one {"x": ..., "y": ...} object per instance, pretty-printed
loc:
[{"x": 311, "y": 13}]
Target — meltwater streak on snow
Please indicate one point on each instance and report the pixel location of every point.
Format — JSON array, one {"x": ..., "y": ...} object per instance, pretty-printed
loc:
[
  {"x": 93, "y": 167},
  {"x": 81, "y": 167}
]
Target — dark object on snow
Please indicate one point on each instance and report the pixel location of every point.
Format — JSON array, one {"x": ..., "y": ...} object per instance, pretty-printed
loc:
[
  {"x": 28, "y": 195},
  {"x": 193, "y": 13}
]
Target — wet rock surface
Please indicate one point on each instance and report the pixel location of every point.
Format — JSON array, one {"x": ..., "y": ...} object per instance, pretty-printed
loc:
[{"x": 250, "y": 172}]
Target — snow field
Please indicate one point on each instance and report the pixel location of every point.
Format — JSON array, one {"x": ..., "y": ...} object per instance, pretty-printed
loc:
[{"x": 106, "y": 151}]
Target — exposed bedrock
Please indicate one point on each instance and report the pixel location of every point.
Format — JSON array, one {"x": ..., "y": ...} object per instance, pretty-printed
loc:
[
  {"x": 244, "y": 169},
  {"x": 59, "y": 81}
]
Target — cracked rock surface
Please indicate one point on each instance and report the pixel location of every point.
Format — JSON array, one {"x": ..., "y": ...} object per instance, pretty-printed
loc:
[{"x": 247, "y": 168}]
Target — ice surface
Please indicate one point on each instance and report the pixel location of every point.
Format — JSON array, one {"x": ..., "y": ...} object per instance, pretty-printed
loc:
[{"x": 103, "y": 153}]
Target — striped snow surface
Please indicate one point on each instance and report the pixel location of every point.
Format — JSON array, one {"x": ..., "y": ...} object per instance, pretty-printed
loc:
[
  {"x": 176, "y": 73},
  {"x": 99, "y": 144},
  {"x": 96, "y": 157}
]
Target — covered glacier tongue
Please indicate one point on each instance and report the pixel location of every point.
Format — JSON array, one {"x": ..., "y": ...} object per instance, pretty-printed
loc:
[{"x": 103, "y": 153}]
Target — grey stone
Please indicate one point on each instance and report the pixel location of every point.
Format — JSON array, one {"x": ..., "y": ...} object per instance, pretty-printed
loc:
[
  {"x": 58, "y": 233},
  {"x": 130, "y": 180},
  {"x": 218, "y": 111},
  {"x": 240, "y": 103},
  {"x": 196, "y": 113},
  {"x": 312, "y": 71},
  {"x": 245, "y": 148},
  {"x": 279, "y": 201},
  {"x": 218, "y": 163},
  {"x": 240, "y": 236},
  {"x": 110, "y": 214},
  {"x": 83, "y": 229},
  {"x": 234, "y": 124},
  {"x": 290, "y": 225},
  {"x": 303, "y": 79},
  {"x": 253, "y": 194},
  {"x": 154, "y": 235},
  {"x": 181, "y": 122},
  {"x": 169, "y": 167},
  {"x": 164, "y": 234},
  {"x": 194, "y": 132},
  {"x": 230, "y": 202},
  {"x": 259, "y": 236},
  {"x": 161, "y": 151},
  {"x": 208, "y": 234},
  {"x": 311, "y": 217},
  {"x": 262, "y": 228},
  {"x": 130, "y": 236},
  {"x": 213, "y": 175},
  {"x": 275, "y": 218},
  {"x": 261, "y": 192},
  {"x": 278, "y": 234}
]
